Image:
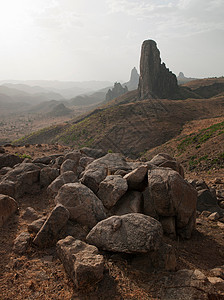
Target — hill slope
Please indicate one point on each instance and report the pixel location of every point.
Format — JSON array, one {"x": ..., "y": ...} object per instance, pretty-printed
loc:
[
  {"x": 200, "y": 146},
  {"x": 131, "y": 128}
]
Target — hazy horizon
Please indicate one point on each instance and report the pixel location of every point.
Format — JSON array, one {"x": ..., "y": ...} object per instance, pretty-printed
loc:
[{"x": 85, "y": 40}]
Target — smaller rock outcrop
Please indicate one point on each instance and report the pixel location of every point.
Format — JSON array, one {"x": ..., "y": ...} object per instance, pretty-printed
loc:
[{"x": 116, "y": 91}]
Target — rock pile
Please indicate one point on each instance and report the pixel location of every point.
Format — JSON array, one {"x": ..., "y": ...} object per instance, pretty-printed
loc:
[{"x": 109, "y": 202}]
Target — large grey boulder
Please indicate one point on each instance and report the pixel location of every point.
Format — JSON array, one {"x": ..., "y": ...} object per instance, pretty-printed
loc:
[
  {"x": 24, "y": 178},
  {"x": 172, "y": 196},
  {"x": 97, "y": 171},
  {"x": 130, "y": 233},
  {"x": 8, "y": 206},
  {"x": 111, "y": 189},
  {"x": 67, "y": 177},
  {"x": 81, "y": 261},
  {"x": 84, "y": 206},
  {"x": 48, "y": 233}
]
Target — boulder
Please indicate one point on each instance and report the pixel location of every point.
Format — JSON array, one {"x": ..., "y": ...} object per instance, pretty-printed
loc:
[
  {"x": 131, "y": 202},
  {"x": 155, "y": 81},
  {"x": 83, "y": 163},
  {"x": 24, "y": 178},
  {"x": 111, "y": 189},
  {"x": 43, "y": 160},
  {"x": 84, "y": 206},
  {"x": 7, "y": 187},
  {"x": 208, "y": 201},
  {"x": 69, "y": 165},
  {"x": 48, "y": 233},
  {"x": 9, "y": 160},
  {"x": 166, "y": 161},
  {"x": 74, "y": 155},
  {"x": 67, "y": 177},
  {"x": 21, "y": 243},
  {"x": 8, "y": 206},
  {"x": 172, "y": 196},
  {"x": 93, "y": 175},
  {"x": 130, "y": 233},
  {"x": 136, "y": 179},
  {"x": 47, "y": 175},
  {"x": 97, "y": 171},
  {"x": 30, "y": 214},
  {"x": 81, "y": 261}
]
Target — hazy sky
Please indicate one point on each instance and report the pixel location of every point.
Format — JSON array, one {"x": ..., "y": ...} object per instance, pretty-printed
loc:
[{"x": 101, "y": 39}]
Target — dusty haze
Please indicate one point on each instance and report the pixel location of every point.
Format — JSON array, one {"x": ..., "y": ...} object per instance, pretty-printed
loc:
[{"x": 101, "y": 40}]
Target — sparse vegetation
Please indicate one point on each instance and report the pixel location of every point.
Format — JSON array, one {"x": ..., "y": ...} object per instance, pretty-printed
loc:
[{"x": 201, "y": 137}]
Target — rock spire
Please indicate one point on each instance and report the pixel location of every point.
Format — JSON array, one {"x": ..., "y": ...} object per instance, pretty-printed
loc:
[{"x": 156, "y": 81}]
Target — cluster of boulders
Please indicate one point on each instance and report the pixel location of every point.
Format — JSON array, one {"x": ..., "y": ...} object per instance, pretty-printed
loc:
[{"x": 106, "y": 202}]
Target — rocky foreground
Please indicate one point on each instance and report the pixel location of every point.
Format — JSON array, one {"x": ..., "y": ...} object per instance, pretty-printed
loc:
[{"x": 83, "y": 224}]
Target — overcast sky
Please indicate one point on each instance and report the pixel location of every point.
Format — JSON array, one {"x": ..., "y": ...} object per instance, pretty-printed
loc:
[{"x": 101, "y": 39}]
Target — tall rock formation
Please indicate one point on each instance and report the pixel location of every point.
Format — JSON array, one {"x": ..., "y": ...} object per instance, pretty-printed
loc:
[
  {"x": 132, "y": 84},
  {"x": 156, "y": 81},
  {"x": 116, "y": 91}
]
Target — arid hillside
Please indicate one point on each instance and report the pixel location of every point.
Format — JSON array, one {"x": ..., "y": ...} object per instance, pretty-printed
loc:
[
  {"x": 199, "y": 146},
  {"x": 130, "y": 128}
]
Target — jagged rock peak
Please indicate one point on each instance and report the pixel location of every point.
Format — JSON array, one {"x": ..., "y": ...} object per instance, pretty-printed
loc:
[
  {"x": 132, "y": 84},
  {"x": 156, "y": 81},
  {"x": 181, "y": 75},
  {"x": 116, "y": 91}
]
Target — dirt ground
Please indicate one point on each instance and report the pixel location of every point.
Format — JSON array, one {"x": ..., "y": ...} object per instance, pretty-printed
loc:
[{"x": 40, "y": 275}]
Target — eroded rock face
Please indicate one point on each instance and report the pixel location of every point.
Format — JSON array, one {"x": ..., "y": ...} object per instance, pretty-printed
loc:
[
  {"x": 156, "y": 81},
  {"x": 8, "y": 206},
  {"x": 116, "y": 91},
  {"x": 81, "y": 261},
  {"x": 130, "y": 233},
  {"x": 84, "y": 206}
]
